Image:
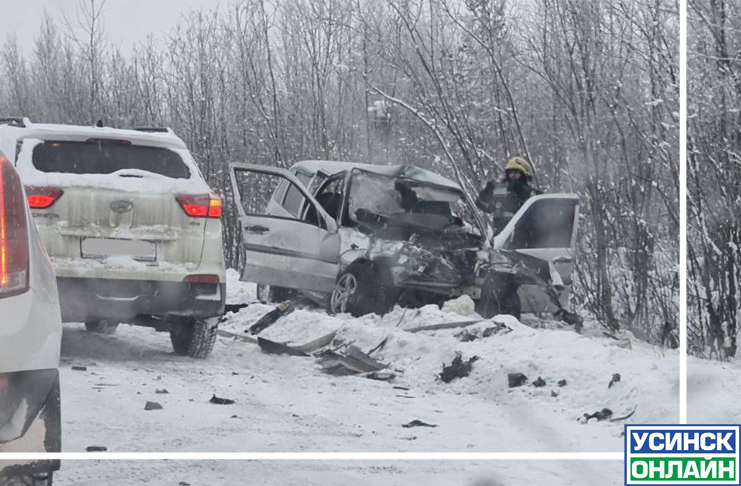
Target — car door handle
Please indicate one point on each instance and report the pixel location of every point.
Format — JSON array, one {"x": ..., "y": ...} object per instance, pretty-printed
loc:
[{"x": 256, "y": 229}]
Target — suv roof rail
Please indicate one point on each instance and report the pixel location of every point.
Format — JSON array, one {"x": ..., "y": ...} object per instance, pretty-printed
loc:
[
  {"x": 153, "y": 129},
  {"x": 14, "y": 121}
]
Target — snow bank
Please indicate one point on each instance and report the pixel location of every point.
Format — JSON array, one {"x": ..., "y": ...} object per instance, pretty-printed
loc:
[{"x": 649, "y": 375}]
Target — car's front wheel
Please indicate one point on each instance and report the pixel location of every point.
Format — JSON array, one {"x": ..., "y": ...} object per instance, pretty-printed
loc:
[
  {"x": 44, "y": 479},
  {"x": 193, "y": 337},
  {"x": 363, "y": 289},
  {"x": 102, "y": 326}
]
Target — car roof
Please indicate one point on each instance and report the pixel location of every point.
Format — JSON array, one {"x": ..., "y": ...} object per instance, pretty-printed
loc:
[
  {"x": 332, "y": 167},
  {"x": 50, "y": 131}
]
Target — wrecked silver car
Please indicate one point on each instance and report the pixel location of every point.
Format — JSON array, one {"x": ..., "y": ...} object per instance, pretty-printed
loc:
[{"x": 360, "y": 238}]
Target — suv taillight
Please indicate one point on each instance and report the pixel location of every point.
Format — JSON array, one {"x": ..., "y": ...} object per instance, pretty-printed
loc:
[
  {"x": 13, "y": 232},
  {"x": 42, "y": 197},
  {"x": 204, "y": 278},
  {"x": 201, "y": 206}
]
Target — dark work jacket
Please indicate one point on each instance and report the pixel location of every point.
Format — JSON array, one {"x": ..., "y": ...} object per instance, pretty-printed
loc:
[{"x": 505, "y": 206}]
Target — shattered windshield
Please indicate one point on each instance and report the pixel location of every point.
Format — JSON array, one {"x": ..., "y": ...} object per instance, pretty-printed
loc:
[{"x": 408, "y": 201}]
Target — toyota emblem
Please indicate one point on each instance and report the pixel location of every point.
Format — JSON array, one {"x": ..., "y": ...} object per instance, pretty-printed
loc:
[{"x": 121, "y": 206}]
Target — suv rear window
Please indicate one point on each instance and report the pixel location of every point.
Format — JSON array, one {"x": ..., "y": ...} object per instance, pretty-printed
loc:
[{"x": 107, "y": 158}]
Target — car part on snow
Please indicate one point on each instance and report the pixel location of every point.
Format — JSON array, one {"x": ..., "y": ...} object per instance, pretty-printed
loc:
[
  {"x": 79, "y": 368},
  {"x": 352, "y": 362},
  {"x": 445, "y": 325},
  {"x": 466, "y": 337},
  {"x": 615, "y": 379},
  {"x": 539, "y": 383},
  {"x": 457, "y": 369},
  {"x": 284, "y": 308},
  {"x": 221, "y": 401},
  {"x": 418, "y": 423},
  {"x": 476, "y": 334},
  {"x": 381, "y": 376},
  {"x": 317, "y": 344},
  {"x": 604, "y": 414},
  {"x": 271, "y": 347},
  {"x": 102, "y": 326},
  {"x": 229, "y": 334},
  {"x": 498, "y": 328},
  {"x": 234, "y": 307},
  {"x": 516, "y": 379},
  {"x": 96, "y": 449},
  {"x": 152, "y": 406},
  {"x": 379, "y": 346},
  {"x": 626, "y": 416},
  {"x": 193, "y": 337},
  {"x": 562, "y": 383}
]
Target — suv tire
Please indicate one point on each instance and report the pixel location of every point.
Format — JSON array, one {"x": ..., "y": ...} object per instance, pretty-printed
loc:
[
  {"x": 44, "y": 479},
  {"x": 102, "y": 326},
  {"x": 193, "y": 337},
  {"x": 499, "y": 297}
]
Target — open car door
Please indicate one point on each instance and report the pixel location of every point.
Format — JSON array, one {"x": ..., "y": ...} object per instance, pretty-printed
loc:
[
  {"x": 280, "y": 250},
  {"x": 545, "y": 227}
]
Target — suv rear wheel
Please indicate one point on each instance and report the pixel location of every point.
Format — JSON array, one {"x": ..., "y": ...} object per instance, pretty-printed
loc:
[
  {"x": 102, "y": 326},
  {"x": 193, "y": 337}
]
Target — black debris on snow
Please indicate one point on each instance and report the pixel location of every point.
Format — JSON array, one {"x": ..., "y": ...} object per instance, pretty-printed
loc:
[
  {"x": 516, "y": 379},
  {"x": 457, "y": 369},
  {"x": 221, "y": 401}
]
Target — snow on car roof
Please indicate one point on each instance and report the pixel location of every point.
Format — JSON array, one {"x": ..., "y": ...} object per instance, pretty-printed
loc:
[
  {"x": 332, "y": 167},
  {"x": 50, "y": 131}
]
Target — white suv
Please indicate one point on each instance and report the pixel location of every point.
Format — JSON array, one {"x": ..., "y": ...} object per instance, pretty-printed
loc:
[
  {"x": 132, "y": 228},
  {"x": 30, "y": 337}
]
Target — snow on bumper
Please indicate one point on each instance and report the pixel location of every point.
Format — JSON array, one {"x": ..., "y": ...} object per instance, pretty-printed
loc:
[{"x": 124, "y": 267}]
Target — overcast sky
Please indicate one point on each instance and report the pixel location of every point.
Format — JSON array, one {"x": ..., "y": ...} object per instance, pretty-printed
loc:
[{"x": 126, "y": 21}]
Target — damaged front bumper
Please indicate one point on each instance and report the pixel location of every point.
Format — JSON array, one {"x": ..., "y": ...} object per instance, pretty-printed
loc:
[{"x": 30, "y": 420}]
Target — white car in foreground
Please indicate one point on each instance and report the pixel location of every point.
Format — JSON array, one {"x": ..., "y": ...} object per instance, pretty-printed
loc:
[
  {"x": 30, "y": 339},
  {"x": 132, "y": 228}
]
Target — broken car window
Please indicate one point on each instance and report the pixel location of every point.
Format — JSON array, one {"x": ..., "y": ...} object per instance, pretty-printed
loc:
[{"x": 407, "y": 201}]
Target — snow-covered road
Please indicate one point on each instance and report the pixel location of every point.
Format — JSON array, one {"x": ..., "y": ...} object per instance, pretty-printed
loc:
[
  {"x": 340, "y": 473},
  {"x": 287, "y": 404}
]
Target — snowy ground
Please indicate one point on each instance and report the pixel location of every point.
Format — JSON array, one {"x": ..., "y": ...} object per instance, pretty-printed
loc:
[
  {"x": 335, "y": 473},
  {"x": 713, "y": 390},
  {"x": 287, "y": 404}
]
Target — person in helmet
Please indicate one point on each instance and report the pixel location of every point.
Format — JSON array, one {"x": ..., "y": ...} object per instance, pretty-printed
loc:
[{"x": 517, "y": 176}]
